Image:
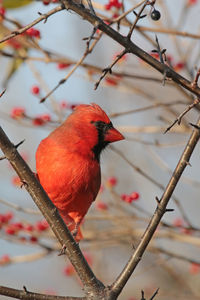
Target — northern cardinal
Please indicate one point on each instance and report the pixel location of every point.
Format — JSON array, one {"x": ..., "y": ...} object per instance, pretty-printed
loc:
[{"x": 68, "y": 162}]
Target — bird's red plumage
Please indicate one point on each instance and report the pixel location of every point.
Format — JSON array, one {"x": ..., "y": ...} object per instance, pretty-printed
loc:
[{"x": 66, "y": 164}]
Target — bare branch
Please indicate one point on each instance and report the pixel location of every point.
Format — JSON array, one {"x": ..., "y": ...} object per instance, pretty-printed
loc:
[
  {"x": 26, "y": 295},
  {"x": 120, "y": 282}
]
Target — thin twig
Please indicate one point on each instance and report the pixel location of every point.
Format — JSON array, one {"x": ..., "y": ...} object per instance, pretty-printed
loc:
[
  {"x": 109, "y": 68},
  {"x": 63, "y": 80},
  {"x": 38, "y": 20},
  {"x": 179, "y": 118},
  {"x": 138, "y": 17}
]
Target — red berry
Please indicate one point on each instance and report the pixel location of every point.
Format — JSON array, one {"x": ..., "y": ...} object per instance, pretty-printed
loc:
[
  {"x": 33, "y": 239},
  {"x": 35, "y": 90},
  {"x": 62, "y": 66},
  {"x": 16, "y": 181},
  {"x": 179, "y": 66},
  {"x": 64, "y": 104},
  {"x": 192, "y": 2},
  {"x": 124, "y": 197},
  {"x": 28, "y": 227},
  {"x": 46, "y": 2},
  {"x": 18, "y": 225},
  {"x": 10, "y": 230},
  {"x": 14, "y": 43},
  {"x": 108, "y": 6},
  {"x": 135, "y": 196},
  {"x": 3, "y": 219},
  {"x": 111, "y": 81},
  {"x": 41, "y": 120},
  {"x": 5, "y": 259},
  {"x": 194, "y": 268},
  {"x": 42, "y": 225},
  {"x": 2, "y": 11},
  {"x": 101, "y": 205},
  {"x": 46, "y": 117},
  {"x": 69, "y": 270},
  {"x": 9, "y": 216},
  {"x": 112, "y": 181},
  {"x": 17, "y": 113},
  {"x": 33, "y": 32},
  {"x": 178, "y": 222},
  {"x": 38, "y": 121}
]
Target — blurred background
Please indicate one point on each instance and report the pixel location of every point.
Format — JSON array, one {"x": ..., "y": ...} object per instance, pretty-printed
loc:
[{"x": 134, "y": 171}]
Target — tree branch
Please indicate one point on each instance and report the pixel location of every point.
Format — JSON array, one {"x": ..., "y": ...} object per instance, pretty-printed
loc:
[
  {"x": 130, "y": 46},
  {"x": 26, "y": 295},
  {"x": 120, "y": 282}
]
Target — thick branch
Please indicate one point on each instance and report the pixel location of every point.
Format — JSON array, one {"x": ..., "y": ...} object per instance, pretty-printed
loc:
[
  {"x": 90, "y": 282},
  {"x": 120, "y": 282},
  {"x": 130, "y": 46},
  {"x": 26, "y": 295}
]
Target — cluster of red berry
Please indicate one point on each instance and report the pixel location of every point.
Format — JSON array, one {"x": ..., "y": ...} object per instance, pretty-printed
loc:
[
  {"x": 19, "y": 229},
  {"x": 113, "y": 3}
]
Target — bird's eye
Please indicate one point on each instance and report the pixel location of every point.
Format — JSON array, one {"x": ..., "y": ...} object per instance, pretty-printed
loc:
[{"x": 102, "y": 126}]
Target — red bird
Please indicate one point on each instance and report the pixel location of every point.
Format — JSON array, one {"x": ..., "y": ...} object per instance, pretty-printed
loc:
[{"x": 68, "y": 162}]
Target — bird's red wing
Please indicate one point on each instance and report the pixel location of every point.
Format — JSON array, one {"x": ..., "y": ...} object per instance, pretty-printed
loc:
[{"x": 71, "y": 181}]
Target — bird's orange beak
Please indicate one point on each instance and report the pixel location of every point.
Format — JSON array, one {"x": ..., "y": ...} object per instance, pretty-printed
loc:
[{"x": 113, "y": 135}]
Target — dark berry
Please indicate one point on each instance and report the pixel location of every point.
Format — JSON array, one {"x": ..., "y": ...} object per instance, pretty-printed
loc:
[{"x": 155, "y": 15}]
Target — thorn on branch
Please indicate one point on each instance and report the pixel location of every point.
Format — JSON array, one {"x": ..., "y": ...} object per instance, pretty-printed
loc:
[
  {"x": 142, "y": 292},
  {"x": 109, "y": 68},
  {"x": 157, "y": 200},
  {"x": 195, "y": 126},
  {"x": 44, "y": 15},
  {"x": 25, "y": 290},
  {"x": 139, "y": 17},
  {"x": 90, "y": 38},
  {"x": 179, "y": 118},
  {"x": 156, "y": 292},
  {"x": 2, "y": 93},
  {"x": 195, "y": 82},
  {"x": 159, "y": 51},
  {"x": 20, "y": 143},
  {"x": 169, "y": 210}
]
